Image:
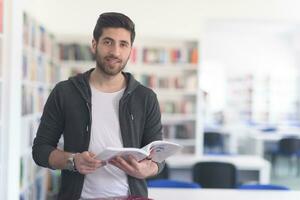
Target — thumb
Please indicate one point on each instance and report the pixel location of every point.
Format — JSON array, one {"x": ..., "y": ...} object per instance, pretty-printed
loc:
[{"x": 92, "y": 154}]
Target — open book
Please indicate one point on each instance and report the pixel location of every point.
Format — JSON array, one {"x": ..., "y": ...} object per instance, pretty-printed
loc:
[{"x": 158, "y": 150}]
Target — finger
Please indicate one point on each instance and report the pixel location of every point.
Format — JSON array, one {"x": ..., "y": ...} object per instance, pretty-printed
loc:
[
  {"x": 132, "y": 161},
  {"x": 85, "y": 169},
  {"x": 94, "y": 165},
  {"x": 101, "y": 164},
  {"x": 151, "y": 153},
  {"x": 148, "y": 158},
  {"x": 83, "y": 163},
  {"x": 122, "y": 164},
  {"x": 90, "y": 160}
]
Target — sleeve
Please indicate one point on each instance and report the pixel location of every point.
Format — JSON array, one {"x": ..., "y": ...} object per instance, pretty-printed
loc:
[
  {"x": 50, "y": 129},
  {"x": 153, "y": 126}
]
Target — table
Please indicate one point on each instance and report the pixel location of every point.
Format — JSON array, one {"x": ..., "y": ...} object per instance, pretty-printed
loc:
[
  {"x": 258, "y": 138},
  {"x": 221, "y": 194},
  {"x": 242, "y": 162}
]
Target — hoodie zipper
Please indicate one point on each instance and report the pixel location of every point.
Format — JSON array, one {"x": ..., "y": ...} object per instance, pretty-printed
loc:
[
  {"x": 131, "y": 117},
  {"x": 90, "y": 116}
]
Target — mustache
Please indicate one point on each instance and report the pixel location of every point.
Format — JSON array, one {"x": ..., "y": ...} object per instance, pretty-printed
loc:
[{"x": 113, "y": 57}]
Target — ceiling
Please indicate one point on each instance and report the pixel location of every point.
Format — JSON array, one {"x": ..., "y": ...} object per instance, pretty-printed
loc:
[{"x": 167, "y": 18}]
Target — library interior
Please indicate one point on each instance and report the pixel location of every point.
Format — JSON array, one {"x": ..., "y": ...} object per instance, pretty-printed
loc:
[{"x": 226, "y": 75}]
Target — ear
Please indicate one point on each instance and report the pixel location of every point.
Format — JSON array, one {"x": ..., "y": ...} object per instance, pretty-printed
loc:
[{"x": 94, "y": 46}]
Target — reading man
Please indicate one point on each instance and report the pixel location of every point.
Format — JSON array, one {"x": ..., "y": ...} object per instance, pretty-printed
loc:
[{"x": 99, "y": 108}]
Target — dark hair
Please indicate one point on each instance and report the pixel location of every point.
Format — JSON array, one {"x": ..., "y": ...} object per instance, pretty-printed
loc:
[{"x": 113, "y": 20}]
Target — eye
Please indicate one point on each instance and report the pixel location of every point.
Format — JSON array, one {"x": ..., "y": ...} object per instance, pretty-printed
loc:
[
  {"x": 107, "y": 42},
  {"x": 124, "y": 44}
]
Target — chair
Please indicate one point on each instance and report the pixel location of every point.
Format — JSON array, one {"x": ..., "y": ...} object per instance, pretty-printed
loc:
[
  {"x": 165, "y": 183},
  {"x": 287, "y": 147},
  {"x": 269, "y": 129},
  {"x": 213, "y": 142},
  {"x": 262, "y": 187},
  {"x": 215, "y": 174}
]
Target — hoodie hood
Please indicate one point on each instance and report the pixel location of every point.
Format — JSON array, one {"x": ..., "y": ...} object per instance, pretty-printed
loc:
[{"x": 81, "y": 82}]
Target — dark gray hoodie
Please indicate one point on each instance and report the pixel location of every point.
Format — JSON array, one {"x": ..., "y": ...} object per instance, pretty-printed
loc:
[{"x": 67, "y": 112}]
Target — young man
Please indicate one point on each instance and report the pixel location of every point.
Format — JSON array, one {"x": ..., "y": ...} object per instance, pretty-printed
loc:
[{"x": 101, "y": 107}]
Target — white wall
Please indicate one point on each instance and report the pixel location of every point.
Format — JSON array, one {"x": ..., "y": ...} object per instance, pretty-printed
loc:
[
  {"x": 235, "y": 49},
  {"x": 163, "y": 18},
  {"x": 250, "y": 48}
]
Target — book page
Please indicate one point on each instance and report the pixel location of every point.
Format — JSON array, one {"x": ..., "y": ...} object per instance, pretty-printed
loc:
[
  {"x": 111, "y": 152},
  {"x": 160, "y": 150}
]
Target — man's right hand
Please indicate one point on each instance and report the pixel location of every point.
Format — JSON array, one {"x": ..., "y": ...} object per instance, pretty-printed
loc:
[{"x": 86, "y": 163}]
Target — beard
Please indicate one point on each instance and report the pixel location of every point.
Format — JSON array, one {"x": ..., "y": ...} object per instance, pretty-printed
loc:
[{"x": 108, "y": 70}]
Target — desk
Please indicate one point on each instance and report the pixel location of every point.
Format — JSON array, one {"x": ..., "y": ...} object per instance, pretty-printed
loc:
[
  {"x": 242, "y": 162},
  {"x": 258, "y": 138},
  {"x": 221, "y": 194}
]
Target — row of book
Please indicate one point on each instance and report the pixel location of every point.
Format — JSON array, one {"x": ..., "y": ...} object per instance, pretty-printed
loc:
[
  {"x": 82, "y": 52},
  {"x": 168, "y": 82},
  {"x": 37, "y": 37},
  {"x": 179, "y": 131},
  {"x": 1, "y": 57},
  {"x": 75, "y": 52},
  {"x": 33, "y": 99},
  {"x": 67, "y": 72},
  {"x": 154, "y": 81},
  {"x": 39, "y": 68},
  {"x": 171, "y": 55},
  {"x": 1, "y": 15},
  {"x": 181, "y": 106},
  {"x": 0, "y": 102},
  {"x": 32, "y": 180}
]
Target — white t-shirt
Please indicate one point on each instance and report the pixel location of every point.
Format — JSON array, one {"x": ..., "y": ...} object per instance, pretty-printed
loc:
[{"x": 107, "y": 181}]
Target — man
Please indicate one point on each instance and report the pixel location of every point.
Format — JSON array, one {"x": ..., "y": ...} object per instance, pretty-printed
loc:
[{"x": 99, "y": 108}]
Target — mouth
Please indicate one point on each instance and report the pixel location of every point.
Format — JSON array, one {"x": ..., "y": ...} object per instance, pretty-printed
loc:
[{"x": 113, "y": 60}]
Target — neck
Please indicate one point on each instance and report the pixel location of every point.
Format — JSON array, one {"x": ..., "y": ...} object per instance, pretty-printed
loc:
[{"x": 107, "y": 83}]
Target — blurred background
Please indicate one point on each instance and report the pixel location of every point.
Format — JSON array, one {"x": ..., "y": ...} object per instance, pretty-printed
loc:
[{"x": 226, "y": 74}]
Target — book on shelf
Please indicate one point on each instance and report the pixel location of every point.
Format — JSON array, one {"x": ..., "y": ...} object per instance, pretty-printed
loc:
[
  {"x": 179, "y": 131},
  {"x": 75, "y": 51},
  {"x": 158, "y": 151},
  {"x": 1, "y": 15}
]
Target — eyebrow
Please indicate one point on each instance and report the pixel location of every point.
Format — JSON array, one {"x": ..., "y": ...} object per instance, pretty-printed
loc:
[{"x": 111, "y": 39}]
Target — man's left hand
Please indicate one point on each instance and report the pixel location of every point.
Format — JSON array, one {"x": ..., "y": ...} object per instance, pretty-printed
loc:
[{"x": 138, "y": 169}]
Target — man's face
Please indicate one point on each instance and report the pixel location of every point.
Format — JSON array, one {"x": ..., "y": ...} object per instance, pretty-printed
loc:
[{"x": 112, "y": 50}]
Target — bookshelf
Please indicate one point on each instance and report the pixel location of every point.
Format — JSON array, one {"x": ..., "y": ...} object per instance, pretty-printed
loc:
[
  {"x": 40, "y": 71},
  {"x": 264, "y": 98},
  {"x": 2, "y": 166},
  {"x": 239, "y": 98},
  {"x": 169, "y": 67}
]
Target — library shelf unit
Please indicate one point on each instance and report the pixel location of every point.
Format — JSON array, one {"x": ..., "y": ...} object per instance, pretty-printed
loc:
[
  {"x": 2, "y": 151},
  {"x": 40, "y": 71},
  {"x": 169, "y": 67},
  {"x": 264, "y": 98}
]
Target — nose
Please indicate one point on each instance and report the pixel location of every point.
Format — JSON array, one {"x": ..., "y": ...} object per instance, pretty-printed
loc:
[{"x": 115, "y": 50}]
